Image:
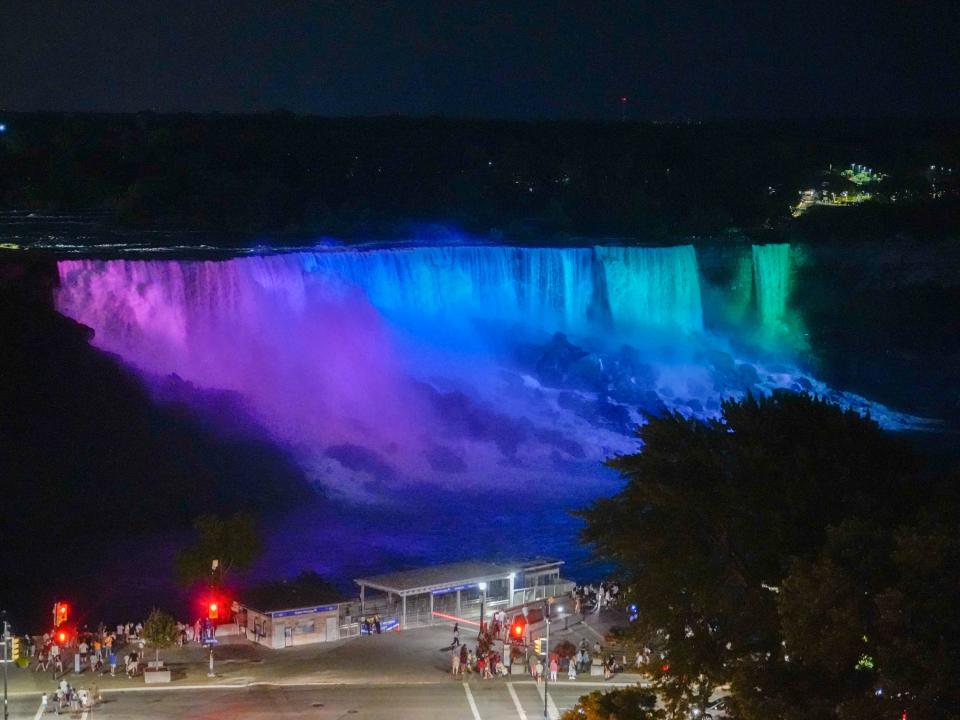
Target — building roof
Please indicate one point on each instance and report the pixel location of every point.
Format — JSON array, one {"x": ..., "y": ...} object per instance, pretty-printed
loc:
[
  {"x": 420, "y": 580},
  {"x": 436, "y": 576}
]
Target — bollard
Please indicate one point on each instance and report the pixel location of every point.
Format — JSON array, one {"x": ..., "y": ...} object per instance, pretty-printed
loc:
[{"x": 76, "y": 663}]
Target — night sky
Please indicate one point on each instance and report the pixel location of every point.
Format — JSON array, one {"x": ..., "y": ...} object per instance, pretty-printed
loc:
[{"x": 674, "y": 59}]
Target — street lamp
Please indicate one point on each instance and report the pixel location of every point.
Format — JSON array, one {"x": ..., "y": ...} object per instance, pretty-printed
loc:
[
  {"x": 546, "y": 659},
  {"x": 483, "y": 596},
  {"x": 6, "y": 639}
]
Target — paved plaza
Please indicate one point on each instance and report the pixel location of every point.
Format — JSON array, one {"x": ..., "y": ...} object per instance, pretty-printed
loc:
[
  {"x": 501, "y": 700},
  {"x": 393, "y": 675}
]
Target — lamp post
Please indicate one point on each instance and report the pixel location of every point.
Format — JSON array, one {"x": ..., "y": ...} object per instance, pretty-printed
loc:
[
  {"x": 6, "y": 639},
  {"x": 483, "y": 596},
  {"x": 546, "y": 661}
]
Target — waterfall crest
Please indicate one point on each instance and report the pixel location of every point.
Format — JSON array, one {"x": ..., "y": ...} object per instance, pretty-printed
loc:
[{"x": 572, "y": 289}]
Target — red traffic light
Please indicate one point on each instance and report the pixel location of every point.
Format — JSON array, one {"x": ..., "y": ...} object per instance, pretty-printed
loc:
[
  {"x": 60, "y": 612},
  {"x": 212, "y": 611},
  {"x": 519, "y": 625},
  {"x": 62, "y": 636}
]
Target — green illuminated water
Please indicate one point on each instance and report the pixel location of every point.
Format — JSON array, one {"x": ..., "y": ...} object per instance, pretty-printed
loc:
[{"x": 771, "y": 282}]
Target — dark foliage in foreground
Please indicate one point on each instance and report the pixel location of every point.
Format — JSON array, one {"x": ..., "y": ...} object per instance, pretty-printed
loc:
[{"x": 791, "y": 550}]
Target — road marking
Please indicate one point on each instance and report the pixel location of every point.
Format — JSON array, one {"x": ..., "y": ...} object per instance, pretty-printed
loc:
[
  {"x": 551, "y": 705},
  {"x": 39, "y": 713},
  {"x": 472, "y": 702},
  {"x": 516, "y": 701},
  {"x": 84, "y": 715}
]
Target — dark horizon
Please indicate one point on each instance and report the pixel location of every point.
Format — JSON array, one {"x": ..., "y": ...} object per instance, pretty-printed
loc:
[
  {"x": 541, "y": 61},
  {"x": 840, "y": 120}
]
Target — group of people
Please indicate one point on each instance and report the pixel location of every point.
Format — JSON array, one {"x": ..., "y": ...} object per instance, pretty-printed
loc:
[
  {"x": 68, "y": 697},
  {"x": 100, "y": 651},
  {"x": 595, "y": 597},
  {"x": 537, "y": 668},
  {"x": 488, "y": 665},
  {"x": 371, "y": 625}
]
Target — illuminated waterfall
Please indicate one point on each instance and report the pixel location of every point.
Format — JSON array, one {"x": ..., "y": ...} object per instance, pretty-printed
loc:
[
  {"x": 572, "y": 289},
  {"x": 406, "y": 361},
  {"x": 771, "y": 281},
  {"x": 652, "y": 286}
]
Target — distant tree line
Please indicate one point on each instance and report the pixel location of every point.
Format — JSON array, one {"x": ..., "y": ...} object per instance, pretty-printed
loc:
[{"x": 299, "y": 175}]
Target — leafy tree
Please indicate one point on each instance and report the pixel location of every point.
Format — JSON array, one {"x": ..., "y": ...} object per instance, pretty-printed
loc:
[
  {"x": 871, "y": 620},
  {"x": 713, "y": 518},
  {"x": 159, "y": 630},
  {"x": 632, "y": 703},
  {"x": 222, "y": 545}
]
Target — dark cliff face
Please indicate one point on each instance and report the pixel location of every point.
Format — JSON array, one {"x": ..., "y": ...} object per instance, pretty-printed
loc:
[
  {"x": 84, "y": 446},
  {"x": 883, "y": 319}
]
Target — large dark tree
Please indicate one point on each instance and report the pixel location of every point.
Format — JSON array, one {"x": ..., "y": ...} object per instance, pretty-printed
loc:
[
  {"x": 222, "y": 545},
  {"x": 715, "y": 516}
]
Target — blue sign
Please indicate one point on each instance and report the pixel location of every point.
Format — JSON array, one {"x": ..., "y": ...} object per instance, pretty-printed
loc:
[
  {"x": 304, "y": 611},
  {"x": 453, "y": 588},
  {"x": 386, "y": 625}
]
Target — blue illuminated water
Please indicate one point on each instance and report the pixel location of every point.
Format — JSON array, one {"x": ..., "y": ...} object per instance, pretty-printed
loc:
[{"x": 433, "y": 380}]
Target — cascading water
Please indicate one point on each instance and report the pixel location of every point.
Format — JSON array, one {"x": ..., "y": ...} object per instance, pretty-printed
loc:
[
  {"x": 409, "y": 364},
  {"x": 547, "y": 288},
  {"x": 771, "y": 279},
  {"x": 652, "y": 286}
]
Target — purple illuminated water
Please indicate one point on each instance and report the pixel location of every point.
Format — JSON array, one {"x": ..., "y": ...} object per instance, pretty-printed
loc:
[{"x": 423, "y": 389}]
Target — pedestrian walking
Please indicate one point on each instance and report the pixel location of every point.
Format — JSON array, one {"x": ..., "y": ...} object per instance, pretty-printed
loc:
[
  {"x": 538, "y": 671},
  {"x": 456, "y": 634},
  {"x": 554, "y": 667}
]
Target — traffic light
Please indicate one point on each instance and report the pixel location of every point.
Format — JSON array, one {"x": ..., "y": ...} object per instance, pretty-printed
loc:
[
  {"x": 62, "y": 637},
  {"x": 14, "y": 648},
  {"x": 60, "y": 612},
  {"x": 517, "y": 628},
  {"x": 212, "y": 611},
  {"x": 538, "y": 646}
]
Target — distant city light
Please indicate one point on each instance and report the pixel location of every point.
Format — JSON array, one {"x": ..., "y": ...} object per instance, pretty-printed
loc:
[{"x": 3, "y": 127}]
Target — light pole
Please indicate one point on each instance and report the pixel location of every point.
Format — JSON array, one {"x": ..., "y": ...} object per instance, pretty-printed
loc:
[
  {"x": 546, "y": 660},
  {"x": 483, "y": 596},
  {"x": 6, "y": 639}
]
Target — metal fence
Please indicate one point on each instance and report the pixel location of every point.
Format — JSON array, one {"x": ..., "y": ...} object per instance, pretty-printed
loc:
[
  {"x": 419, "y": 613},
  {"x": 538, "y": 592}
]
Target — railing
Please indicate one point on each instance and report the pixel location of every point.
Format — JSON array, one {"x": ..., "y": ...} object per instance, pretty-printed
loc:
[
  {"x": 350, "y": 630},
  {"x": 419, "y": 613},
  {"x": 538, "y": 592}
]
